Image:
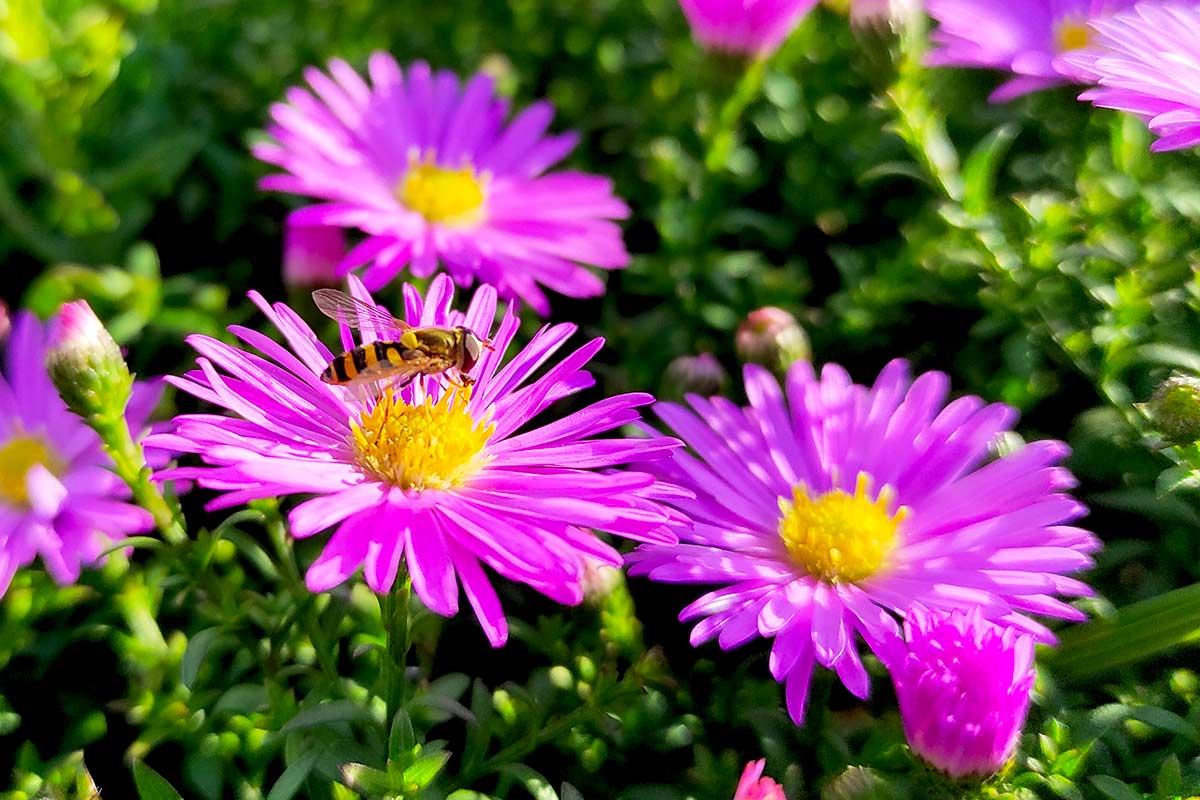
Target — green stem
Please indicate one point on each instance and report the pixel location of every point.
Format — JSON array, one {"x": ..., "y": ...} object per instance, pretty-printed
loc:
[
  {"x": 724, "y": 133},
  {"x": 129, "y": 463},
  {"x": 394, "y": 613},
  {"x": 294, "y": 583},
  {"x": 518, "y": 750}
]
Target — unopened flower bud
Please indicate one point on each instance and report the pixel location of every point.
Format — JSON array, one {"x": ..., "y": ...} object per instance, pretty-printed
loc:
[
  {"x": 963, "y": 688},
  {"x": 598, "y": 580},
  {"x": 5, "y": 322},
  {"x": 772, "y": 337},
  {"x": 880, "y": 15},
  {"x": 702, "y": 375},
  {"x": 856, "y": 783},
  {"x": 85, "y": 363},
  {"x": 753, "y": 786},
  {"x": 1175, "y": 407},
  {"x": 310, "y": 255}
]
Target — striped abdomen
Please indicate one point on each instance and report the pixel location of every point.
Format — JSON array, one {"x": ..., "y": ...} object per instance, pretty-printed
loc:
[{"x": 373, "y": 360}]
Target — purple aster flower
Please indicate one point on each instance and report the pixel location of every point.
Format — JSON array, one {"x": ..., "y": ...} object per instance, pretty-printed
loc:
[
  {"x": 58, "y": 499},
  {"x": 1147, "y": 62},
  {"x": 428, "y": 169},
  {"x": 753, "y": 27},
  {"x": 449, "y": 479},
  {"x": 1025, "y": 37},
  {"x": 311, "y": 254},
  {"x": 963, "y": 687},
  {"x": 823, "y": 514}
]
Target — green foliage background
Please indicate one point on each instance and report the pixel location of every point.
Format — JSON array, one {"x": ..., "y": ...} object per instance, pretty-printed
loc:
[{"x": 1035, "y": 251}]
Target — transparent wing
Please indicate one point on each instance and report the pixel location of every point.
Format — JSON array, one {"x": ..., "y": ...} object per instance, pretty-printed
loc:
[{"x": 355, "y": 313}]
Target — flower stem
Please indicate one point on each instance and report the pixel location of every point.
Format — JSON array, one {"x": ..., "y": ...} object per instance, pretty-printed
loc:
[
  {"x": 394, "y": 613},
  {"x": 724, "y": 133},
  {"x": 129, "y": 463}
]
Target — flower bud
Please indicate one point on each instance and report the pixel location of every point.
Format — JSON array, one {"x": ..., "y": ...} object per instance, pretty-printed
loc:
[
  {"x": 771, "y": 336},
  {"x": 5, "y": 322},
  {"x": 598, "y": 580},
  {"x": 1175, "y": 407},
  {"x": 310, "y": 255},
  {"x": 702, "y": 375},
  {"x": 963, "y": 688},
  {"x": 85, "y": 363},
  {"x": 879, "y": 15},
  {"x": 856, "y": 783},
  {"x": 753, "y": 786}
]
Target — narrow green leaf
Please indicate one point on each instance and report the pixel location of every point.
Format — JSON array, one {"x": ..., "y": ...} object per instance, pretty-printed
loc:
[
  {"x": 1167, "y": 721},
  {"x": 402, "y": 739},
  {"x": 330, "y": 713},
  {"x": 367, "y": 780},
  {"x": 467, "y": 794},
  {"x": 135, "y": 542},
  {"x": 533, "y": 781},
  {"x": 294, "y": 776},
  {"x": 195, "y": 653},
  {"x": 151, "y": 785},
  {"x": 1114, "y": 789},
  {"x": 980, "y": 168},
  {"x": 425, "y": 768},
  {"x": 1170, "y": 779},
  {"x": 242, "y": 699},
  {"x": 569, "y": 792}
]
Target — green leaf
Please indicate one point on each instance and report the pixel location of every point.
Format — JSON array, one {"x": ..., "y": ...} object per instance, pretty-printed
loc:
[
  {"x": 569, "y": 792},
  {"x": 151, "y": 785},
  {"x": 425, "y": 768},
  {"x": 980, "y": 168},
  {"x": 197, "y": 650},
  {"x": 1170, "y": 779},
  {"x": 1114, "y": 789},
  {"x": 330, "y": 713},
  {"x": 1063, "y": 787},
  {"x": 467, "y": 794},
  {"x": 367, "y": 780},
  {"x": 533, "y": 781},
  {"x": 135, "y": 542},
  {"x": 1167, "y": 721},
  {"x": 294, "y": 776},
  {"x": 242, "y": 699},
  {"x": 402, "y": 738}
]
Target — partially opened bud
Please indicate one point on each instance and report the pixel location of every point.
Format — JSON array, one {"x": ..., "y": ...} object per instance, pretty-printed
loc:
[
  {"x": 963, "y": 688},
  {"x": 772, "y": 337},
  {"x": 882, "y": 14},
  {"x": 85, "y": 363},
  {"x": 598, "y": 580},
  {"x": 753, "y": 786},
  {"x": 311, "y": 254},
  {"x": 1175, "y": 407},
  {"x": 5, "y": 322},
  {"x": 702, "y": 375}
]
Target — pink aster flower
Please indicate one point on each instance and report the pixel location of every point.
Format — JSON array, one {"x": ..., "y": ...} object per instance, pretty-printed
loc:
[
  {"x": 1025, "y": 37},
  {"x": 311, "y": 254},
  {"x": 963, "y": 687},
  {"x": 824, "y": 514},
  {"x": 58, "y": 499},
  {"x": 753, "y": 786},
  {"x": 1147, "y": 62},
  {"x": 429, "y": 170},
  {"x": 753, "y": 27},
  {"x": 447, "y": 479}
]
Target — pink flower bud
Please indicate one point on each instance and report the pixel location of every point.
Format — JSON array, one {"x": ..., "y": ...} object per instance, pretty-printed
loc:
[
  {"x": 772, "y": 337},
  {"x": 85, "y": 363},
  {"x": 5, "y": 322},
  {"x": 753, "y": 786},
  {"x": 310, "y": 255}
]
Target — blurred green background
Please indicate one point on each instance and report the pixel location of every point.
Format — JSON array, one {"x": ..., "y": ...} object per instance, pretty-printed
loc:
[{"x": 1035, "y": 251}]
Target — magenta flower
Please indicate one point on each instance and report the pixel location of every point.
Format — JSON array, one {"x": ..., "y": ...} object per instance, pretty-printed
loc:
[
  {"x": 753, "y": 27},
  {"x": 753, "y": 786},
  {"x": 429, "y": 170},
  {"x": 443, "y": 478},
  {"x": 311, "y": 254},
  {"x": 824, "y": 514},
  {"x": 963, "y": 688},
  {"x": 1025, "y": 37},
  {"x": 1147, "y": 62},
  {"x": 58, "y": 499}
]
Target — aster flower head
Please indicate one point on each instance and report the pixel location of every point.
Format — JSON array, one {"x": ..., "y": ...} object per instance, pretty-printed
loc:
[
  {"x": 1147, "y": 62},
  {"x": 446, "y": 478},
  {"x": 753, "y": 786},
  {"x": 752, "y": 27},
  {"x": 824, "y": 514},
  {"x": 1024, "y": 37},
  {"x": 429, "y": 171},
  {"x": 963, "y": 686},
  {"x": 58, "y": 498}
]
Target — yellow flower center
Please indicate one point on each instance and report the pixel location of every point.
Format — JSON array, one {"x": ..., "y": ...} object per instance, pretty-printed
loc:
[
  {"x": 840, "y": 537},
  {"x": 17, "y": 456},
  {"x": 434, "y": 445},
  {"x": 1072, "y": 36},
  {"x": 448, "y": 196}
]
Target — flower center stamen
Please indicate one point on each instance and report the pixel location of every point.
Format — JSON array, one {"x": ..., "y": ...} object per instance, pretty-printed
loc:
[
  {"x": 839, "y": 537},
  {"x": 1072, "y": 35},
  {"x": 17, "y": 456},
  {"x": 433, "y": 445},
  {"x": 448, "y": 196}
]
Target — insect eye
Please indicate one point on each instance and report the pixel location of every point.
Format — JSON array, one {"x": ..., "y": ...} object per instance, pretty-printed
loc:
[{"x": 471, "y": 348}]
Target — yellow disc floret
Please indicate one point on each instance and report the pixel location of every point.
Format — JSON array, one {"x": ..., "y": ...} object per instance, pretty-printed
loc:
[
  {"x": 17, "y": 456},
  {"x": 432, "y": 445},
  {"x": 448, "y": 196},
  {"x": 1072, "y": 35},
  {"x": 839, "y": 537}
]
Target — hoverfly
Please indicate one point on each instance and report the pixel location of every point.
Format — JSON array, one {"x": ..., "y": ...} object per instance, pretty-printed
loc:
[{"x": 418, "y": 351}]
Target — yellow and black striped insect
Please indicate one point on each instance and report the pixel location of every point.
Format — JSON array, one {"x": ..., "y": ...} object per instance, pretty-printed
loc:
[{"x": 417, "y": 351}]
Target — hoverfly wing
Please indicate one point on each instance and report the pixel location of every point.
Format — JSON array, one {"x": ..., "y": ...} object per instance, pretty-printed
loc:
[{"x": 354, "y": 313}]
